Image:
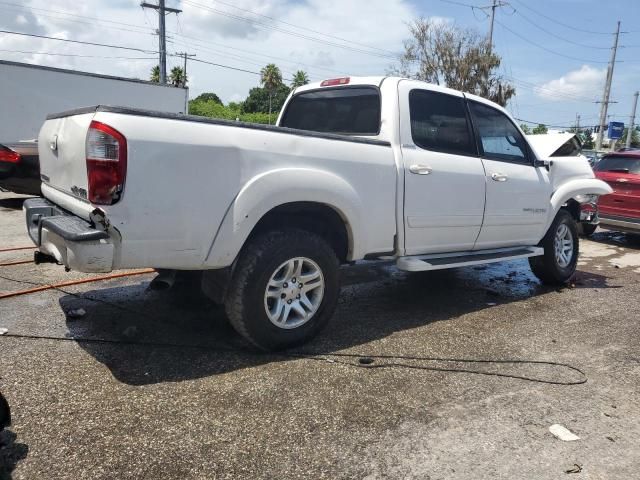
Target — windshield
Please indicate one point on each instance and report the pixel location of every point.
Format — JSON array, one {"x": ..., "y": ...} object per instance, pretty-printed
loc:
[
  {"x": 618, "y": 163},
  {"x": 347, "y": 110}
]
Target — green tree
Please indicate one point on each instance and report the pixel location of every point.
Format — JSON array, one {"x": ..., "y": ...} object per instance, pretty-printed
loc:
[
  {"x": 448, "y": 55},
  {"x": 178, "y": 77},
  {"x": 271, "y": 79},
  {"x": 300, "y": 78},
  {"x": 635, "y": 138},
  {"x": 208, "y": 96},
  {"x": 259, "y": 99},
  {"x": 587, "y": 141},
  {"x": 540, "y": 129},
  {"x": 155, "y": 74},
  {"x": 525, "y": 128}
]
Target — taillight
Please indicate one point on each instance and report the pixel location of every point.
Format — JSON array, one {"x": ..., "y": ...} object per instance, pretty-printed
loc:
[
  {"x": 8, "y": 155},
  {"x": 335, "y": 81},
  {"x": 106, "y": 151}
]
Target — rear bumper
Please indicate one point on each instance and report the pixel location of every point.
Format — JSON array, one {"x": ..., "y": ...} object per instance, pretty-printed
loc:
[
  {"x": 72, "y": 241},
  {"x": 623, "y": 224}
]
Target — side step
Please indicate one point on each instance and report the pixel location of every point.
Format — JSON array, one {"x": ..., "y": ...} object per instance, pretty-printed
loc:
[{"x": 440, "y": 261}]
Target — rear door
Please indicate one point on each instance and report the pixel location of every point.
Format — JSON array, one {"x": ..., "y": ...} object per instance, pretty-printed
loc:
[
  {"x": 622, "y": 173},
  {"x": 518, "y": 193},
  {"x": 444, "y": 176}
]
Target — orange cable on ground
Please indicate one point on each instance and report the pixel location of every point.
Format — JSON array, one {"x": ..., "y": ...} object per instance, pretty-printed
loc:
[
  {"x": 75, "y": 282},
  {"x": 17, "y": 248},
  {"x": 21, "y": 262}
]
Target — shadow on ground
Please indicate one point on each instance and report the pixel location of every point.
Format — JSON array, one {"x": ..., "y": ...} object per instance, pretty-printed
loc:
[
  {"x": 618, "y": 239},
  {"x": 12, "y": 203},
  {"x": 148, "y": 337},
  {"x": 11, "y": 452}
]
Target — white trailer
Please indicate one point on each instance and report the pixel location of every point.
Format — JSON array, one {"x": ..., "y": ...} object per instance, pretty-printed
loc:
[{"x": 28, "y": 93}]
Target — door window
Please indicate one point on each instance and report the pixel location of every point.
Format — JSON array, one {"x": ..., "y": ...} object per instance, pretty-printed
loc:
[
  {"x": 499, "y": 137},
  {"x": 439, "y": 123}
]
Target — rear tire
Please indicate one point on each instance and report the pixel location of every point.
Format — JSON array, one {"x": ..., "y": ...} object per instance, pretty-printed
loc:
[
  {"x": 284, "y": 289},
  {"x": 558, "y": 263}
]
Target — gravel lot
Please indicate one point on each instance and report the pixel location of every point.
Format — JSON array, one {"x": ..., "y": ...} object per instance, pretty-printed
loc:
[{"x": 157, "y": 385}]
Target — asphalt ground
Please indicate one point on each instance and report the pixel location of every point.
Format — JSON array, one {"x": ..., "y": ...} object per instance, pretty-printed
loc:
[{"x": 157, "y": 385}]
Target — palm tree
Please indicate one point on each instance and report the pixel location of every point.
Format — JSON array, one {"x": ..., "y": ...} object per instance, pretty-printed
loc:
[
  {"x": 299, "y": 79},
  {"x": 155, "y": 74},
  {"x": 271, "y": 79},
  {"x": 177, "y": 77}
]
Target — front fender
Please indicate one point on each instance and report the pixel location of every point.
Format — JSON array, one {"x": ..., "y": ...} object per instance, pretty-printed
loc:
[
  {"x": 277, "y": 187},
  {"x": 572, "y": 188}
]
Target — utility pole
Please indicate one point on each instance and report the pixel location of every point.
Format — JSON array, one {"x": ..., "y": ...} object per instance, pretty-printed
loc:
[
  {"x": 493, "y": 6},
  {"x": 607, "y": 90},
  {"x": 632, "y": 119},
  {"x": 162, "y": 39},
  {"x": 185, "y": 55}
]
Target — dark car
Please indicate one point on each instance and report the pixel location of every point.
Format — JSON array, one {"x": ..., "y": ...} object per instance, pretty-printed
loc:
[
  {"x": 20, "y": 168},
  {"x": 621, "y": 209}
]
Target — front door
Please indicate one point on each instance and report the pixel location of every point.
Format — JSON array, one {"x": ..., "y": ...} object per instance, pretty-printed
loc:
[
  {"x": 444, "y": 176},
  {"x": 518, "y": 193}
]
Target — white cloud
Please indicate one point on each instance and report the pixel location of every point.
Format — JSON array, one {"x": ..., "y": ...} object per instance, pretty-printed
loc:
[
  {"x": 585, "y": 82},
  {"x": 214, "y": 37}
]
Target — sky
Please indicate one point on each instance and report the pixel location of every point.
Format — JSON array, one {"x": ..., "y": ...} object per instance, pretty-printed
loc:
[{"x": 555, "y": 52}]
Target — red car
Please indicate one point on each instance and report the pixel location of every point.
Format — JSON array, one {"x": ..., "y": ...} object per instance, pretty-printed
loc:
[{"x": 621, "y": 209}]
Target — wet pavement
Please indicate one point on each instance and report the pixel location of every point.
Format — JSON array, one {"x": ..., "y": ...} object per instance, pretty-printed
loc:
[{"x": 153, "y": 384}]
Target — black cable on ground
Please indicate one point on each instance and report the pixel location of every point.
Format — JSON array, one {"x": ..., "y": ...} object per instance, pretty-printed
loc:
[{"x": 363, "y": 360}]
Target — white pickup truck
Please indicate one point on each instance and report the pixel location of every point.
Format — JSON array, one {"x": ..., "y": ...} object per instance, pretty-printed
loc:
[{"x": 356, "y": 168}]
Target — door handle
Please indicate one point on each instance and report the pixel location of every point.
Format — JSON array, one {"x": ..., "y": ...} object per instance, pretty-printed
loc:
[
  {"x": 420, "y": 169},
  {"x": 499, "y": 177}
]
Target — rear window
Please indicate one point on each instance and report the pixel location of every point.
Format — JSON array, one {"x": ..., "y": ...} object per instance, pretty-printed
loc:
[
  {"x": 346, "y": 111},
  {"x": 618, "y": 163}
]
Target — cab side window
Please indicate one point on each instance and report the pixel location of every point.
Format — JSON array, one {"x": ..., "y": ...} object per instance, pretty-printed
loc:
[
  {"x": 499, "y": 138},
  {"x": 439, "y": 123}
]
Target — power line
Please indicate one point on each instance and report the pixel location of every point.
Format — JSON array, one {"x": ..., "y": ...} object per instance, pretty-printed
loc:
[
  {"x": 532, "y": 22},
  {"x": 550, "y": 92},
  {"x": 93, "y": 21},
  {"x": 554, "y": 20},
  {"x": 289, "y": 32},
  {"x": 306, "y": 29},
  {"x": 75, "y": 55},
  {"x": 133, "y": 49},
  {"x": 548, "y": 49}
]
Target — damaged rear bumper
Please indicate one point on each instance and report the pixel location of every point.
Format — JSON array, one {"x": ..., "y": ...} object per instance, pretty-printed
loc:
[{"x": 71, "y": 240}]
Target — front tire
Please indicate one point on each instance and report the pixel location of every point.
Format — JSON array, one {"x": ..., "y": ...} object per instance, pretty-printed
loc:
[
  {"x": 561, "y": 248},
  {"x": 284, "y": 289}
]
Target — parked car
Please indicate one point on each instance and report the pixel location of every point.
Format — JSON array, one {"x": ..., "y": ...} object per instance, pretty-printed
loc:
[
  {"x": 621, "y": 209},
  {"x": 29, "y": 92},
  {"x": 356, "y": 168},
  {"x": 19, "y": 168}
]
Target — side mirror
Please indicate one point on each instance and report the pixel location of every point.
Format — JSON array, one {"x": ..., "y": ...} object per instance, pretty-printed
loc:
[{"x": 543, "y": 163}]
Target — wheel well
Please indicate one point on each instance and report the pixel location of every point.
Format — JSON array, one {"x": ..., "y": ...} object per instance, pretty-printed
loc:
[
  {"x": 573, "y": 207},
  {"x": 318, "y": 218}
]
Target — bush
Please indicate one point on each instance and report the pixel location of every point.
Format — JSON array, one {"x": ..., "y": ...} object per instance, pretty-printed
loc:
[{"x": 213, "y": 109}]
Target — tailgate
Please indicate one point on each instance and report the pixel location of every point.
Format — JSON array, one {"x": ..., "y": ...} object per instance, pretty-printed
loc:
[{"x": 61, "y": 147}]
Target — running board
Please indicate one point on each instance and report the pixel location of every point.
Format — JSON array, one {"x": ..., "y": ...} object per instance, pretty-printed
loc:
[{"x": 440, "y": 261}]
